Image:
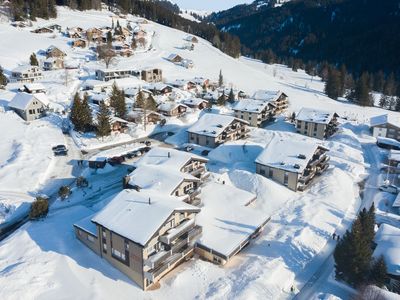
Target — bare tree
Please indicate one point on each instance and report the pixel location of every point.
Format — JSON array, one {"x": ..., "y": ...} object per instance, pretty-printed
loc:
[{"x": 106, "y": 54}]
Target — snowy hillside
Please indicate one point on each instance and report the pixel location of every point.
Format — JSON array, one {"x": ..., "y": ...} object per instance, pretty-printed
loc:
[{"x": 44, "y": 260}]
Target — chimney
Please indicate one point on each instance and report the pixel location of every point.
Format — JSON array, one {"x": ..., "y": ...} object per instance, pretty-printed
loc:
[{"x": 149, "y": 201}]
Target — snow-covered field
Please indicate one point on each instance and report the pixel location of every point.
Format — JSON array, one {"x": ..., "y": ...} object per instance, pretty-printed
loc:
[{"x": 34, "y": 266}]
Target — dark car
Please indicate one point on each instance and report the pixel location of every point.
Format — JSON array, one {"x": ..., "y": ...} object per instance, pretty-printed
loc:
[
  {"x": 60, "y": 150},
  {"x": 116, "y": 160}
]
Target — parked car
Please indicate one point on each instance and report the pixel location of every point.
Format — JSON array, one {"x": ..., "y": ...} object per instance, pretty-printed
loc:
[
  {"x": 60, "y": 150},
  {"x": 389, "y": 189},
  {"x": 116, "y": 160}
]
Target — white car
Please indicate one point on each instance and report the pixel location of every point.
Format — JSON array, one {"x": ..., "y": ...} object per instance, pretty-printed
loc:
[{"x": 389, "y": 188}]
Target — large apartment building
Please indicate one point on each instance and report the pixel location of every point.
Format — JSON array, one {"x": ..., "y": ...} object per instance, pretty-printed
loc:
[
  {"x": 143, "y": 235},
  {"x": 316, "y": 123},
  {"x": 26, "y": 73},
  {"x": 255, "y": 112},
  {"x": 293, "y": 163},
  {"x": 278, "y": 98},
  {"x": 212, "y": 130}
]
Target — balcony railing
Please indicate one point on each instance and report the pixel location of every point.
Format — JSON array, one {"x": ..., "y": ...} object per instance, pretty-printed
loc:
[{"x": 178, "y": 231}]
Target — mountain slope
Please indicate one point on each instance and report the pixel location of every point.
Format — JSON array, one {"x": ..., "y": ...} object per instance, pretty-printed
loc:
[{"x": 359, "y": 33}]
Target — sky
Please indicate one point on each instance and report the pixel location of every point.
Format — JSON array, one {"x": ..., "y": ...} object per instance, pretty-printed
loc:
[{"x": 209, "y": 5}]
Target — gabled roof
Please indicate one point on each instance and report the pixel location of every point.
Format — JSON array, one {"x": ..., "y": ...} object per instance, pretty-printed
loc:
[
  {"x": 130, "y": 215},
  {"x": 23, "y": 69},
  {"x": 173, "y": 56},
  {"x": 225, "y": 219},
  {"x": 22, "y": 100},
  {"x": 251, "y": 105},
  {"x": 34, "y": 86},
  {"x": 168, "y": 106},
  {"x": 266, "y": 95},
  {"x": 194, "y": 101},
  {"x": 385, "y": 119},
  {"x": 290, "y": 155},
  {"x": 160, "y": 180},
  {"x": 167, "y": 158},
  {"x": 315, "y": 115},
  {"x": 388, "y": 245},
  {"x": 213, "y": 124}
]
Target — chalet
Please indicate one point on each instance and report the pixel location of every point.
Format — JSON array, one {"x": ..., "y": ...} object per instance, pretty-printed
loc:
[
  {"x": 137, "y": 116},
  {"x": 172, "y": 109},
  {"x": 110, "y": 74},
  {"x": 387, "y": 240},
  {"x": 316, "y": 123},
  {"x": 152, "y": 75},
  {"x": 278, "y": 99},
  {"x": 118, "y": 124},
  {"x": 74, "y": 35},
  {"x": 98, "y": 98},
  {"x": 228, "y": 220},
  {"x": 140, "y": 34},
  {"x": 255, "y": 112},
  {"x": 117, "y": 234},
  {"x": 191, "y": 39},
  {"x": 97, "y": 162},
  {"x": 42, "y": 30},
  {"x": 394, "y": 159},
  {"x": 79, "y": 43},
  {"x": 212, "y": 130},
  {"x": 387, "y": 143},
  {"x": 387, "y": 126},
  {"x": 29, "y": 106},
  {"x": 133, "y": 92},
  {"x": 55, "y": 27},
  {"x": 196, "y": 103},
  {"x": 34, "y": 88},
  {"x": 175, "y": 58},
  {"x": 183, "y": 84},
  {"x": 293, "y": 163},
  {"x": 53, "y": 63},
  {"x": 26, "y": 73},
  {"x": 201, "y": 81},
  {"x": 96, "y": 85},
  {"x": 53, "y": 51},
  {"x": 159, "y": 88}
]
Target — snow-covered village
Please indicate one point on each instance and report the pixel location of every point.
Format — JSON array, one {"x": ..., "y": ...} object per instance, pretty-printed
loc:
[{"x": 140, "y": 161}]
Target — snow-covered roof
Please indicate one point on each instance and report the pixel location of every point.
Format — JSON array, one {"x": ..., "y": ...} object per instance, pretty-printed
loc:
[
  {"x": 315, "y": 115},
  {"x": 212, "y": 124},
  {"x": 288, "y": 154},
  {"x": 384, "y": 119},
  {"x": 199, "y": 80},
  {"x": 394, "y": 155},
  {"x": 87, "y": 225},
  {"x": 22, "y": 100},
  {"x": 194, "y": 101},
  {"x": 168, "y": 106},
  {"x": 130, "y": 215},
  {"x": 387, "y": 141},
  {"x": 266, "y": 95},
  {"x": 226, "y": 220},
  {"x": 158, "y": 86},
  {"x": 396, "y": 202},
  {"x": 163, "y": 181},
  {"x": 172, "y": 56},
  {"x": 34, "y": 86},
  {"x": 251, "y": 105},
  {"x": 169, "y": 158},
  {"x": 388, "y": 245},
  {"x": 23, "y": 69}
]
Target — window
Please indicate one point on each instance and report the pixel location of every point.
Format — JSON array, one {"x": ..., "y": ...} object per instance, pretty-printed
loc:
[
  {"x": 217, "y": 259},
  {"x": 315, "y": 128},
  {"x": 79, "y": 232},
  {"x": 262, "y": 170},
  {"x": 270, "y": 173},
  {"x": 118, "y": 254},
  {"x": 104, "y": 247},
  {"x": 286, "y": 178},
  {"x": 104, "y": 233},
  {"x": 31, "y": 111},
  {"x": 91, "y": 239}
]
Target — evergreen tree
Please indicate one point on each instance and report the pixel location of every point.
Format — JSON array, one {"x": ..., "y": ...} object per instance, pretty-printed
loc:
[
  {"x": 220, "y": 79},
  {"x": 362, "y": 94},
  {"x": 383, "y": 101},
  {"x": 343, "y": 79},
  {"x": 33, "y": 60},
  {"x": 397, "y": 106},
  {"x": 379, "y": 81},
  {"x": 109, "y": 39},
  {"x": 75, "y": 115},
  {"x": 151, "y": 103},
  {"x": 231, "y": 96},
  {"x": 140, "y": 100},
  {"x": 86, "y": 113},
  {"x": 222, "y": 99},
  {"x": 3, "y": 78},
  {"x": 333, "y": 85},
  {"x": 390, "y": 86},
  {"x": 117, "y": 101},
  {"x": 103, "y": 121},
  {"x": 378, "y": 274}
]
